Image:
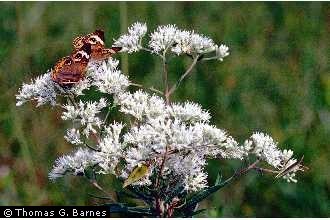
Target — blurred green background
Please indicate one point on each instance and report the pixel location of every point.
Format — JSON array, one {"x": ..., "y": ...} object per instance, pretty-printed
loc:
[{"x": 276, "y": 80}]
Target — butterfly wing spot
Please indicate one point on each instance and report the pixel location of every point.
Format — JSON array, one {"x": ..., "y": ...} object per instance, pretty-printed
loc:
[{"x": 68, "y": 62}]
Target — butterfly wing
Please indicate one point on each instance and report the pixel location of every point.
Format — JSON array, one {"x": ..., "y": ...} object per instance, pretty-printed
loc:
[
  {"x": 103, "y": 53},
  {"x": 78, "y": 42},
  {"x": 96, "y": 39},
  {"x": 100, "y": 33},
  {"x": 69, "y": 70},
  {"x": 68, "y": 73}
]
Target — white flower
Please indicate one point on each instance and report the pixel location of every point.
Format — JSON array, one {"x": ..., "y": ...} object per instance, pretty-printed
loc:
[
  {"x": 179, "y": 41},
  {"x": 266, "y": 149},
  {"x": 182, "y": 42},
  {"x": 73, "y": 136},
  {"x": 131, "y": 42},
  {"x": 141, "y": 105},
  {"x": 221, "y": 52},
  {"x": 85, "y": 114},
  {"x": 75, "y": 164},
  {"x": 110, "y": 149},
  {"x": 201, "y": 44},
  {"x": 107, "y": 78},
  {"x": 189, "y": 111},
  {"x": 79, "y": 87},
  {"x": 41, "y": 89},
  {"x": 138, "y": 29},
  {"x": 190, "y": 169},
  {"x": 163, "y": 38},
  {"x": 70, "y": 113},
  {"x": 188, "y": 143}
]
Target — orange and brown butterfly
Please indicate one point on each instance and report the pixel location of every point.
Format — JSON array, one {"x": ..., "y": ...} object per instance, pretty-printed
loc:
[
  {"x": 71, "y": 69},
  {"x": 96, "y": 39}
]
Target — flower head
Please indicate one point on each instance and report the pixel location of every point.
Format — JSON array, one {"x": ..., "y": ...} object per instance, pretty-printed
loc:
[
  {"x": 73, "y": 136},
  {"x": 107, "y": 78},
  {"x": 75, "y": 164},
  {"x": 85, "y": 114},
  {"x": 163, "y": 38},
  {"x": 42, "y": 89},
  {"x": 131, "y": 42}
]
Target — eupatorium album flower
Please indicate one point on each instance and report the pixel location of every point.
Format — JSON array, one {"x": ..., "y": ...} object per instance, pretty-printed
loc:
[{"x": 171, "y": 140}]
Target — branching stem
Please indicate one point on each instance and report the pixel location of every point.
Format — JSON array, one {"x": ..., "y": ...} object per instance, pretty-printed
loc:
[
  {"x": 183, "y": 76},
  {"x": 151, "y": 88}
]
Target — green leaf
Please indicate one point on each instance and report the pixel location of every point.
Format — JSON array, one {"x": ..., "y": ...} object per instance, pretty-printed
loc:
[
  {"x": 99, "y": 197},
  {"x": 201, "y": 195},
  {"x": 122, "y": 208},
  {"x": 219, "y": 178},
  {"x": 90, "y": 173}
]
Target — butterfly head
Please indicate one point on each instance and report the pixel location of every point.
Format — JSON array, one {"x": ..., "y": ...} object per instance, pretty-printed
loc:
[{"x": 96, "y": 39}]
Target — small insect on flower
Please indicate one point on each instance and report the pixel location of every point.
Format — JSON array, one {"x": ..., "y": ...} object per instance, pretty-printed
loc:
[
  {"x": 295, "y": 166},
  {"x": 71, "y": 69},
  {"x": 137, "y": 174},
  {"x": 96, "y": 40}
]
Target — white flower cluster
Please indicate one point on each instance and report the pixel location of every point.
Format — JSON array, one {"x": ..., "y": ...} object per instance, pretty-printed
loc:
[
  {"x": 85, "y": 115},
  {"x": 170, "y": 38},
  {"x": 110, "y": 149},
  {"x": 189, "y": 111},
  {"x": 175, "y": 140},
  {"x": 107, "y": 77},
  {"x": 75, "y": 164},
  {"x": 264, "y": 147},
  {"x": 73, "y": 136},
  {"x": 178, "y": 130},
  {"x": 140, "y": 104},
  {"x": 221, "y": 51},
  {"x": 163, "y": 38},
  {"x": 190, "y": 169},
  {"x": 41, "y": 89},
  {"x": 131, "y": 42}
]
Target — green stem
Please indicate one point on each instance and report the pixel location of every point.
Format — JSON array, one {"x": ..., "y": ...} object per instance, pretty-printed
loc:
[
  {"x": 123, "y": 26},
  {"x": 151, "y": 88},
  {"x": 183, "y": 76},
  {"x": 165, "y": 79}
]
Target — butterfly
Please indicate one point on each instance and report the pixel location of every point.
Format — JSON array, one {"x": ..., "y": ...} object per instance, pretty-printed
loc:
[
  {"x": 70, "y": 69},
  {"x": 96, "y": 40}
]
